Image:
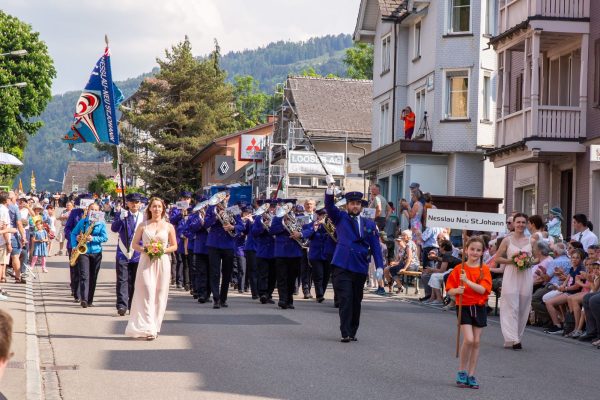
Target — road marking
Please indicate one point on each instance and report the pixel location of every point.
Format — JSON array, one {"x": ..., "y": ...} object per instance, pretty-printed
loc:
[{"x": 32, "y": 361}]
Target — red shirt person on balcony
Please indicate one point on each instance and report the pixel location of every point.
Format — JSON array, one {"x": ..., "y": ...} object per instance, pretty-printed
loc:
[{"x": 408, "y": 116}]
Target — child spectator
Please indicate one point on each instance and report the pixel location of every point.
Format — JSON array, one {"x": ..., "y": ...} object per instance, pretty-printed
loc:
[
  {"x": 40, "y": 245},
  {"x": 554, "y": 226},
  {"x": 472, "y": 283}
]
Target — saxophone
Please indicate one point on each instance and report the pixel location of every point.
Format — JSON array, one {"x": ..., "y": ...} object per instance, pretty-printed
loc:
[{"x": 81, "y": 245}]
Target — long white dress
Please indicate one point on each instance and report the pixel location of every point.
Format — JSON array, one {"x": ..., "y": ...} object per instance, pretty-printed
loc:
[
  {"x": 515, "y": 302},
  {"x": 151, "y": 289}
]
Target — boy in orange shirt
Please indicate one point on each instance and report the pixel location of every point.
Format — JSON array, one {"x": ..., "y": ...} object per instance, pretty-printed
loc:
[{"x": 472, "y": 283}]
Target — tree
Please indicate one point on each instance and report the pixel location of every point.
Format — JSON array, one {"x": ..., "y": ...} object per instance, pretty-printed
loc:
[
  {"x": 185, "y": 106},
  {"x": 19, "y": 106},
  {"x": 251, "y": 103},
  {"x": 359, "y": 60},
  {"x": 101, "y": 184}
]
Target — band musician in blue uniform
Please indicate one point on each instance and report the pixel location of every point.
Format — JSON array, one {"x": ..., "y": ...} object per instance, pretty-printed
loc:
[{"x": 357, "y": 240}]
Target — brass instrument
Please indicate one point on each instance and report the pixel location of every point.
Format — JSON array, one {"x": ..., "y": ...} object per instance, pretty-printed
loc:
[
  {"x": 341, "y": 204},
  {"x": 266, "y": 216},
  {"x": 225, "y": 216},
  {"x": 329, "y": 228},
  {"x": 200, "y": 208},
  {"x": 81, "y": 247},
  {"x": 290, "y": 223}
]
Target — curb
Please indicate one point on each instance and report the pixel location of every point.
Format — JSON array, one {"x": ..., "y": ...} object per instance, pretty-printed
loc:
[{"x": 32, "y": 359}]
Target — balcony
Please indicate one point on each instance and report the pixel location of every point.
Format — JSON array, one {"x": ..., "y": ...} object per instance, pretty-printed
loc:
[
  {"x": 514, "y": 12},
  {"x": 395, "y": 149}
]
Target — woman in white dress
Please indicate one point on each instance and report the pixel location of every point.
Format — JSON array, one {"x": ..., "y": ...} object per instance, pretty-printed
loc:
[
  {"x": 517, "y": 286},
  {"x": 153, "y": 276}
]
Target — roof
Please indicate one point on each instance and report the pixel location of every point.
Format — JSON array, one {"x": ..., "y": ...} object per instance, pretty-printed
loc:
[
  {"x": 371, "y": 11},
  {"x": 392, "y": 8},
  {"x": 81, "y": 173},
  {"x": 330, "y": 107}
]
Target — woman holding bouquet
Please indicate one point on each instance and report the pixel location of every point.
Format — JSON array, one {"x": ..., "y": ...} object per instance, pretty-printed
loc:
[
  {"x": 154, "y": 272},
  {"x": 514, "y": 255}
]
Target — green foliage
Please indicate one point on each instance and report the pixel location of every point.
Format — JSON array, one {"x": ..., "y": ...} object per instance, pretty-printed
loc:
[
  {"x": 19, "y": 106},
  {"x": 186, "y": 105},
  {"x": 251, "y": 104},
  {"x": 359, "y": 60},
  {"x": 101, "y": 184}
]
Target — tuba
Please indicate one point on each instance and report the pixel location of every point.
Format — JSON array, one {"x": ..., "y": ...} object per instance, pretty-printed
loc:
[
  {"x": 225, "y": 216},
  {"x": 266, "y": 216},
  {"x": 201, "y": 208},
  {"x": 290, "y": 223}
]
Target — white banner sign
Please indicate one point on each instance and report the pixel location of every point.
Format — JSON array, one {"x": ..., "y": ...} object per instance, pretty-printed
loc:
[
  {"x": 96, "y": 216},
  {"x": 85, "y": 203},
  {"x": 182, "y": 205},
  {"x": 469, "y": 220},
  {"x": 368, "y": 213},
  {"x": 251, "y": 147},
  {"x": 595, "y": 152},
  {"x": 306, "y": 162}
]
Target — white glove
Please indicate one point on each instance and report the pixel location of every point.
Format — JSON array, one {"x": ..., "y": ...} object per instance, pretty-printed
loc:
[
  {"x": 329, "y": 179},
  {"x": 124, "y": 214}
]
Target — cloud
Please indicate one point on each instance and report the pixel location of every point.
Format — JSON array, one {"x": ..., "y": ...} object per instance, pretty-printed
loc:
[{"x": 140, "y": 30}]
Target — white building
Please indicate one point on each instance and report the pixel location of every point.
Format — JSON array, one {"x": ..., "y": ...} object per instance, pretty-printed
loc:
[{"x": 432, "y": 56}]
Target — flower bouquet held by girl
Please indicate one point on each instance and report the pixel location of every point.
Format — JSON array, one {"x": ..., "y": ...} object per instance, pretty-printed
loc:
[
  {"x": 522, "y": 260},
  {"x": 154, "y": 250}
]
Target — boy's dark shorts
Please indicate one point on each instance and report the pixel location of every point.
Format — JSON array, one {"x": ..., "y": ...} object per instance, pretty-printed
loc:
[{"x": 473, "y": 315}]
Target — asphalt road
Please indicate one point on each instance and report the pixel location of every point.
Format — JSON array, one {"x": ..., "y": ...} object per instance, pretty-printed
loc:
[{"x": 249, "y": 350}]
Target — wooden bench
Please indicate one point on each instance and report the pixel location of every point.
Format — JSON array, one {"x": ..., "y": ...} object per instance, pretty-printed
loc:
[{"x": 416, "y": 275}]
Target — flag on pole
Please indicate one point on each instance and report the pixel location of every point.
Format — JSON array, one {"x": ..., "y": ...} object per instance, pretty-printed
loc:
[
  {"x": 32, "y": 181},
  {"x": 95, "y": 113},
  {"x": 20, "y": 185}
]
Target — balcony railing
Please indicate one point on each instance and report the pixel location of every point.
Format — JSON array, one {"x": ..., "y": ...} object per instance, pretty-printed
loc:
[
  {"x": 553, "y": 123},
  {"x": 513, "y": 12}
]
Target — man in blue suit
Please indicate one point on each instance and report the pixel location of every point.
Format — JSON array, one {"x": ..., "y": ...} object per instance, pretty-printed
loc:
[
  {"x": 265, "y": 258},
  {"x": 201, "y": 274},
  {"x": 75, "y": 216},
  {"x": 125, "y": 225},
  {"x": 357, "y": 239}
]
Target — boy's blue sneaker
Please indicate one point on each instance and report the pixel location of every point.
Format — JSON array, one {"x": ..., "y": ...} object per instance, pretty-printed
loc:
[
  {"x": 462, "y": 379},
  {"x": 380, "y": 291},
  {"x": 473, "y": 383}
]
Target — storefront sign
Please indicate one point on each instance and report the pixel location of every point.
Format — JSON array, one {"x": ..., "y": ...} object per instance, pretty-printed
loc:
[
  {"x": 469, "y": 220},
  {"x": 306, "y": 162},
  {"x": 224, "y": 167},
  {"x": 251, "y": 147}
]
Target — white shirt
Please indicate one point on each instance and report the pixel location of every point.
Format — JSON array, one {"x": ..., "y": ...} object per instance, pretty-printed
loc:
[
  {"x": 4, "y": 217},
  {"x": 586, "y": 238}
]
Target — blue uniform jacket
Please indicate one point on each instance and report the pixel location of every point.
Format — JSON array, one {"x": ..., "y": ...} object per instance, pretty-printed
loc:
[
  {"x": 321, "y": 246},
  {"x": 175, "y": 216},
  {"x": 199, "y": 233},
  {"x": 285, "y": 246},
  {"x": 265, "y": 242},
  {"x": 180, "y": 231},
  {"x": 217, "y": 236},
  {"x": 118, "y": 225},
  {"x": 191, "y": 237},
  {"x": 352, "y": 250},
  {"x": 74, "y": 217},
  {"x": 250, "y": 243},
  {"x": 98, "y": 235}
]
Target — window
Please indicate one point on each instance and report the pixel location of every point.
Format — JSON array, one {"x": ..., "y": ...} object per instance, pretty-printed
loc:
[
  {"x": 383, "y": 124},
  {"x": 519, "y": 93},
  {"x": 386, "y": 53},
  {"x": 487, "y": 98},
  {"x": 323, "y": 183},
  {"x": 417, "y": 40},
  {"x": 490, "y": 18},
  {"x": 457, "y": 94},
  {"x": 597, "y": 73},
  {"x": 419, "y": 106},
  {"x": 460, "y": 16},
  {"x": 300, "y": 181}
]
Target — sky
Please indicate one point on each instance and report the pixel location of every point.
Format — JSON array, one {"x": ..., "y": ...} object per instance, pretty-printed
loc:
[{"x": 140, "y": 30}]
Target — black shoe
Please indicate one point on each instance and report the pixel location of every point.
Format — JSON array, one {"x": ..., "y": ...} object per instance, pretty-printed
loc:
[
  {"x": 517, "y": 346},
  {"x": 295, "y": 293},
  {"x": 282, "y": 306},
  {"x": 345, "y": 340},
  {"x": 263, "y": 299},
  {"x": 425, "y": 298},
  {"x": 307, "y": 295},
  {"x": 216, "y": 305},
  {"x": 240, "y": 292},
  {"x": 202, "y": 300},
  {"x": 587, "y": 338},
  {"x": 187, "y": 287},
  {"x": 178, "y": 286},
  {"x": 224, "y": 304},
  {"x": 195, "y": 296},
  {"x": 320, "y": 299},
  {"x": 270, "y": 301},
  {"x": 84, "y": 304},
  {"x": 336, "y": 305},
  {"x": 254, "y": 297},
  {"x": 121, "y": 311},
  {"x": 291, "y": 307},
  {"x": 555, "y": 330},
  {"x": 353, "y": 339},
  {"x": 76, "y": 300}
]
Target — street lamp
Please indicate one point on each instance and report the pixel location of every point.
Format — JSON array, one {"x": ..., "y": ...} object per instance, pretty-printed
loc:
[
  {"x": 17, "y": 53},
  {"x": 55, "y": 181},
  {"x": 17, "y": 85}
]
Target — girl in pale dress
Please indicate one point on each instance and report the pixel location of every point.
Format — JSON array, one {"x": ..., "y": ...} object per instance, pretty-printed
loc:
[
  {"x": 517, "y": 286},
  {"x": 153, "y": 277}
]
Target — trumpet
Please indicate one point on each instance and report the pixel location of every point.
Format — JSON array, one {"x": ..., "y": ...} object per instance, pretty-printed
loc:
[
  {"x": 329, "y": 228},
  {"x": 290, "y": 223},
  {"x": 224, "y": 216},
  {"x": 266, "y": 217}
]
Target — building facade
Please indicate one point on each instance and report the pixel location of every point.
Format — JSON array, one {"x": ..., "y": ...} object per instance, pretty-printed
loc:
[
  {"x": 79, "y": 174},
  {"x": 431, "y": 56},
  {"x": 545, "y": 113},
  {"x": 329, "y": 115}
]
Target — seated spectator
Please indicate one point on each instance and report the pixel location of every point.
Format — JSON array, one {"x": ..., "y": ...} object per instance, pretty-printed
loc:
[
  {"x": 408, "y": 262},
  {"x": 445, "y": 265},
  {"x": 594, "y": 252},
  {"x": 559, "y": 296},
  {"x": 541, "y": 253},
  {"x": 556, "y": 271},
  {"x": 584, "y": 280},
  {"x": 591, "y": 308},
  {"x": 6, "y": 324}
]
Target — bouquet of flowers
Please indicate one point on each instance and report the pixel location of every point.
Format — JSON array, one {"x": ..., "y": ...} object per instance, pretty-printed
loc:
[
  {"x": 522, "y": 260},
  {"x": 154, "y": 250}
]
